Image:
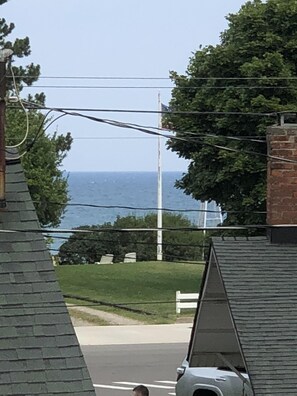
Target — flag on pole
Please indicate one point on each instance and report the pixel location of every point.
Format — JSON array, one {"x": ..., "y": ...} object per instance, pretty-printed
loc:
[
  {"x": 164, "y": 124},
  {"x": 164, "y": 108}
]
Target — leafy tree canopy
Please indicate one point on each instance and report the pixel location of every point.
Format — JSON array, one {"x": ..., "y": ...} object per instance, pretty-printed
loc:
[
  {"x": 248, "y": 72},
  {"x": 177, "y": 245},
  {"x": 42, "y": 154}
]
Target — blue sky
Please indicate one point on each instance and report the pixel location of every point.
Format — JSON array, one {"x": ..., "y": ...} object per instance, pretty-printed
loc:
[{"x": 118, "y": 38}]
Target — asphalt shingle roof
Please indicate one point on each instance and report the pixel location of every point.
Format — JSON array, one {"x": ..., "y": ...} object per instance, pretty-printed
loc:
[
  {"x": 39, "y": 351},
  {"x": 260, "y": 281}
]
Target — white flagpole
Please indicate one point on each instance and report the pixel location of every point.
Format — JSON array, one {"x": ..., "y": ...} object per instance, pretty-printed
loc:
[
  {"x": 159, "y": 212},
  {"x": 202, "y": 222}
]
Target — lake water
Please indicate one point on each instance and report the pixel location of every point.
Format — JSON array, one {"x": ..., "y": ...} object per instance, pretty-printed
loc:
[{"x": 130, "y": 189}]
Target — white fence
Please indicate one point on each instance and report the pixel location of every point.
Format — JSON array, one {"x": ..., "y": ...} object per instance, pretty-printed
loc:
[{"x": 186, "y": 300}]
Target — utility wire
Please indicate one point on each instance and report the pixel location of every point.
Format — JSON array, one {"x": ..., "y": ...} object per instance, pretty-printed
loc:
[
  {"x": 185, "y": 133},
  {"x": 145, "y": 208},
  {"x": 24, "y": 109},
  {"x": 212, "y": 78},
  {"x": 128, "y": 242},
  {"x": 107, "y": 137},
  {"x": 154, "y": 138},
  {"x": 149, "y": 229},
  {"x": 172, "y": 112},
  {"x": 37, "y": 135},
  {"x": 195, "y": 135},
  {"x": 186, "y": 88},
  {"x": 167, "y": 256},
  {"x": 280, "y": 297},
  {"x": 54, "y": 304},
  {"x": 39, "y": 305},
  {"x": 147, "y": 131},
  {"x": 150, "y": 132}
]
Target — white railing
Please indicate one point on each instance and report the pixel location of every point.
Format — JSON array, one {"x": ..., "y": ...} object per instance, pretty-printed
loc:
[{"x": 186, "y": 300}]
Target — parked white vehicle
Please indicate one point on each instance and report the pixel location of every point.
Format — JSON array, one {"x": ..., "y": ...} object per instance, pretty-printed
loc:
[{"x": 210, "y": 381}]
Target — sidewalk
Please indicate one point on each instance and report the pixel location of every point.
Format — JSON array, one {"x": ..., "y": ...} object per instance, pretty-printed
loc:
[{"x": 146, "y": 334}]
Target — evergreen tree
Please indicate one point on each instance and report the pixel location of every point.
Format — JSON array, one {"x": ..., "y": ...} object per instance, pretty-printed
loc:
[{"x": 42, "y": 154}]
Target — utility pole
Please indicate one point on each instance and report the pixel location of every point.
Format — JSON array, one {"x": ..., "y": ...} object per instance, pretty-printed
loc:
[{"x": 4, "y": 55}]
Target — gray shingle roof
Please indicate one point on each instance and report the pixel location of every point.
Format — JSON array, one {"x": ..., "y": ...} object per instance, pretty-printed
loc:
[
  {"x": 260, "y": 280},
  {"x": 39, "y": 351}
]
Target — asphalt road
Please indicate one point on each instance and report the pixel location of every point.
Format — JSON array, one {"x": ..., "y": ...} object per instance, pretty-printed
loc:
[{"x": 116, "y": 369}]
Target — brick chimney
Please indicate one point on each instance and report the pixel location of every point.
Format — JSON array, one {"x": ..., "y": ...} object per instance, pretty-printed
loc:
[{"x": 282, "y": 180}]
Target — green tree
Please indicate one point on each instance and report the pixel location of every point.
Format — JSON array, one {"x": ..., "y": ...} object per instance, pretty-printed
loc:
[
  {"x": 42, "y": 154},
  {"x": 250, "y": 71},
  {"x": 177, "y": 245}
]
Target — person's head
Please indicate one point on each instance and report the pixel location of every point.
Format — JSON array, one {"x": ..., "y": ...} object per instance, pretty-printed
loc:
[{"x": 140, "y": 390}]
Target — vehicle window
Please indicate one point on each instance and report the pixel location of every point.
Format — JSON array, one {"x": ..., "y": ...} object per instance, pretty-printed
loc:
[
  {"x": 240, "y": 369},
  {"x": 205, "y": 392}
]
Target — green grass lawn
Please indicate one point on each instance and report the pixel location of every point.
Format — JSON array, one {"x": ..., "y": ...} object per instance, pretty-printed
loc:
[{"x": 149, "y": 286}]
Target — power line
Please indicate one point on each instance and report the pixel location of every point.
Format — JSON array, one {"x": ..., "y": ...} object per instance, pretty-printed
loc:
[
  {"x": 154, "y": 133},
  {"x": 35, "y": 138},
  {"x": 167, "y": 256},
  {"x": 112, "y": 138},
  {"x": 283, "y": 298},
  {"x": 23, "y": 108},
  {"x": 244, "y": 138},
  {"x": 95, "y": 77},
  {"x": 199, "y": 135},
  {"x": 144, "y": 208},
  {"x": 131, "y": 126},
  {"x": 195, "y": 135},
  {"x": 211, "y": 78},
  {"x": 147, "y": 229},
  {"x": 204, "y": 87},
  {"x": 279, "y": 297},
  {"x": 128, "y": 242},
  {"x": 171, "y": 112}
]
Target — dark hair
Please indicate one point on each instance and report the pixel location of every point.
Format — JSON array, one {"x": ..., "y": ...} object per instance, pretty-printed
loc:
[{"x": 141, "y": 390}]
